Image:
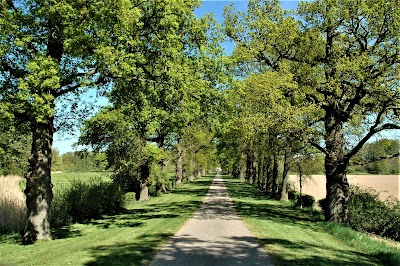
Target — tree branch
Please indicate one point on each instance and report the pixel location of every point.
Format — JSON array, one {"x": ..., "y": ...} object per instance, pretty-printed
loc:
[
  {"x": 376, "y": 159},
  {"x": 316, "y": 145},
  {"x": 17, "y": 72},
  {"x": 372, "y": 131}
]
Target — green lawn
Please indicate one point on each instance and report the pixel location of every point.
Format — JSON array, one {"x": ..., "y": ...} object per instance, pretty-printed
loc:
[
  {"x": 130, "y": 238},
  {"x": 63, "y": 180},
  {"x": 299, "y": 237}
]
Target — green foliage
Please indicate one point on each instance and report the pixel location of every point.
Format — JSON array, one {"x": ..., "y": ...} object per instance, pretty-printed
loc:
[
  {"x": 370, "y": 214},
  {"x": 306, "y": 201},
  {"x": 85, "y": 200},
  {"x": 80, "y": 161},
  {"x": 371, "y": 157},
  {"x": 14, "y": 151},
  {"x": 343, "y": 58}
]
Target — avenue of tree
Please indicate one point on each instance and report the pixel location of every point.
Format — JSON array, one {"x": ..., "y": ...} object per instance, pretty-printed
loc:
[{"x": 317, "y": 82}]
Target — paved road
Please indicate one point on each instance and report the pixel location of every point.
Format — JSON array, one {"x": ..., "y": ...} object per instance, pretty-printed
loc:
[{"x": 214, "y": 236}]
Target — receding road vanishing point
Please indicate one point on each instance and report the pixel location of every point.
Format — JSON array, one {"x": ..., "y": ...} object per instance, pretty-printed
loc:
[{"x": 214, "y": 236}]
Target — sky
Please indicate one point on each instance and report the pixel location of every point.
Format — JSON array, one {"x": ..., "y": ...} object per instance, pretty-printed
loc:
[{"x": 63, "y": 142}]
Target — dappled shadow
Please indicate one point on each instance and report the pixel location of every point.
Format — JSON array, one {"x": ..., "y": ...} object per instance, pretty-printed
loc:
[
  {"x": 217, "y": 204},
  {"x": 189, "y": 250},
  {"x": 65, "y": 232},
  {"x": 126, "y": 253},
  {"x": 337, "y": 256},
  {"x": 274, "y": 212},
  {"x": 250, "y": 202}
]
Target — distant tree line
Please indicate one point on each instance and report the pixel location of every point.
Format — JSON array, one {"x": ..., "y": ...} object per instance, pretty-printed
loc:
[{"x": 78, "y": 161}]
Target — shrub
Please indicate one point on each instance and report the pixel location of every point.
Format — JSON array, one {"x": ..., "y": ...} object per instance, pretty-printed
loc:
[
  {"x": 292, "y": 195},
  {"x": 12, "y": 205},
  {"x": 369, "y": 214},
  {"x": 305, "y": 201},
  {"x": 84, "y": 201},
  {"x": 323, "y": 204}
]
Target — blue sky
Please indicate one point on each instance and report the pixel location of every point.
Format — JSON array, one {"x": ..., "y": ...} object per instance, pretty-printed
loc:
[{"x": 64, "y": 142}]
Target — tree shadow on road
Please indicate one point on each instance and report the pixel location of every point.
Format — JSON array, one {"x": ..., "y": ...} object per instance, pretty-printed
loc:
[
  {"x": 143, "y": 247},
  {"x": 292, "y": 249}
]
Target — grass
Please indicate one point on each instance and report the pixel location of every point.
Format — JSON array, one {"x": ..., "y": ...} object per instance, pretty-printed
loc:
[
  {"x": 130, "y": 238},
  {"x": 300, "y": 237},
  {"x": 63, "y": 180},
  {"x": 12, "y": 204}
]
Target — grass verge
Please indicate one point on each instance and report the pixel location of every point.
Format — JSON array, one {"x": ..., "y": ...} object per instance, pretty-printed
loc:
[
  {"x": 130, "y": 238},
  {"x": 300, "y": 237}
]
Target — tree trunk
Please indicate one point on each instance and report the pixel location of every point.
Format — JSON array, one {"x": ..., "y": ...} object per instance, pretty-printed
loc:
[
  {"x": 275, "y": 175},
  {"x": 142, "y": 192},
  {"x": 179, "y": 166},
  {"x": 249, "y": 168},
  {"x": 285, "y": 176},
  {"x": 267, "y": 174},
  {"x": 337, "y": 186},
  {"x": 38, "y": 190}
]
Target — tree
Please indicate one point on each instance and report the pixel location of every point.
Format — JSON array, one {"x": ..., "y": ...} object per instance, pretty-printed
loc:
[
  {"x": 176, "y": 80},
  {"x": 345, "y": 56},
  {"x": 378, "y": 157},
  {"x": 55, "y": 49}
]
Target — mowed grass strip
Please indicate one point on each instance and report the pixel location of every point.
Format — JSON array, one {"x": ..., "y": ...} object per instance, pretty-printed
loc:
[
  {"x": 299, "y": 237},
  {"x": 129, "y": 238}
]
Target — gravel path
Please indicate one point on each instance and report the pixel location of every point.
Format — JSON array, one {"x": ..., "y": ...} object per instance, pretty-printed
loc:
[{"x": 214, "y": 236}]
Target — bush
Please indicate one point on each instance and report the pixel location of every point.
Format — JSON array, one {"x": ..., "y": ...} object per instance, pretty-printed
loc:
[
  {"x": 292, "y": 195},
  {"x": 85, "y": 201},
  {"x": 369, "y": 214},
  {"x": 305, "y": 201},
  {"x": 323, "y": 204}
]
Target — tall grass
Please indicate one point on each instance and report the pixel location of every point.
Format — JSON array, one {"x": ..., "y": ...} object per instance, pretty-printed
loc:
[{"x": 12, "y": 204}]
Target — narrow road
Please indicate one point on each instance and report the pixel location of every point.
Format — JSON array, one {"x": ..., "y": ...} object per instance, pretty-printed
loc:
[{"x": 214, "y": 236}]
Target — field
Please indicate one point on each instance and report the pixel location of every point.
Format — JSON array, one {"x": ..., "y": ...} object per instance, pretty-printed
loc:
[
  {"x": 387, "y": 185},
  {"x": 62, "y": 180}
]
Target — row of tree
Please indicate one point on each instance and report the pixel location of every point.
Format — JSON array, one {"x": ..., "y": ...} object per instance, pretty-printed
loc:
[
  {"x": 323, "y": 78},
  {"x": 155, "y": 60}
]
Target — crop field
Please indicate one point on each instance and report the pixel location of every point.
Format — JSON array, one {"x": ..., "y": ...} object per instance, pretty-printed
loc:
[{"x": 387, "y": 185}]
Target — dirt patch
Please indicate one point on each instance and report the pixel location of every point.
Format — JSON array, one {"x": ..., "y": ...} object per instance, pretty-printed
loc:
[{"x": 387, "y": 185}]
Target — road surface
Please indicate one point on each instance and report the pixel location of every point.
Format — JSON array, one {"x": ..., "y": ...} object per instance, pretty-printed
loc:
[{"x": 214, "y": 236}]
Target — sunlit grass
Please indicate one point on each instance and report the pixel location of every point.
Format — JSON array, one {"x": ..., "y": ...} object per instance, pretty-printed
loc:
[
  {"x": 129, "y": 238},
  {"x": 300, "y": 237}
]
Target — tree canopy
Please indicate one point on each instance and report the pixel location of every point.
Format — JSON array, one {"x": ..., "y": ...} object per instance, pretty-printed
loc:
[{"x": 322, "y": 78}]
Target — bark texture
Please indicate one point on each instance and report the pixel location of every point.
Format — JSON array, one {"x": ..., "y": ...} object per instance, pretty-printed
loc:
[
  {"x": 179, "y": 166},
  {"x": 285, "y": 176},
  {"x": 142, "y": 191},
  {"x": 38, "y": 189},
  {"x": 337, "y": 186}
]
